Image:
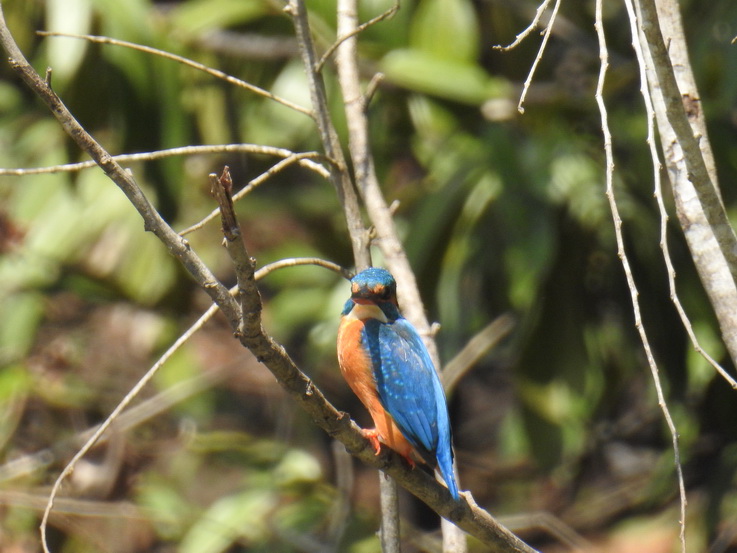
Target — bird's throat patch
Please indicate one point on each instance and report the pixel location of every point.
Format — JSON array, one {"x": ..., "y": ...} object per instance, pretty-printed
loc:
[{"x": 361, "y": 312}]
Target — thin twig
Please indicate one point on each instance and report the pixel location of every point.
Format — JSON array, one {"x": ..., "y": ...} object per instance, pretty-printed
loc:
[
  {"x": 531, "y": 27},
  {"x": 189, "y": 63},
  {"x": 300, "y": 261},
  {"x": 658, "y": 193},
  {"x": 305, "y": 159},
  {"x": 546, "y": 35},
  {"x": 371, "y": 89},
  {"x": 604, "y": 56},
  {"x": 250, "y": 187},
  {"x": 359, "y": 29}
]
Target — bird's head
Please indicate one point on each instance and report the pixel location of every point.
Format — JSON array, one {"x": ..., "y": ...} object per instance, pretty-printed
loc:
[{"x": 375, "y": 286}]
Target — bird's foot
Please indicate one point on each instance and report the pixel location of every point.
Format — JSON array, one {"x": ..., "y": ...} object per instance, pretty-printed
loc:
[{"x": 372, "y": 435}]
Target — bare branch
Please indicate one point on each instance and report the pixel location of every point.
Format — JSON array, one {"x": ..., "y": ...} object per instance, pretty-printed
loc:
[
  {"x": 538, "y": 57},
  {"x": 658, "y": 193},
  {"x": 250, "y": 187},
  {"x": 690, "y": 163},
  {"x": 604, "y": 56},
  {"x": 189, "y": 63},
  {"x": 541, "y": 9},
  {"x": 304, "y": 159},
  {"x": 359, "y": 29}
]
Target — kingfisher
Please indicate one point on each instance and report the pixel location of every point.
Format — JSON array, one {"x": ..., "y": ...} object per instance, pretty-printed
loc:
[{"x": 386, "y": 364}]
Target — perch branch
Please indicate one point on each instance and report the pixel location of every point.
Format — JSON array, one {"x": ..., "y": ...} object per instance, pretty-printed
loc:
[{"x": 464, "y": 513}]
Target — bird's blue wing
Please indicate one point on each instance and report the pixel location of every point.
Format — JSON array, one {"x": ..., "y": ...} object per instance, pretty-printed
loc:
[
  {"x": 411, "y": 392},
  {"x": 408, "y": 386}
]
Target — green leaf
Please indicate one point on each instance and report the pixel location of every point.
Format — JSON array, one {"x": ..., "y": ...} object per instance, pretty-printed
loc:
[
  {"x": 22, "y": 314},
  {"x": 204, "y": 15},
  {"x": 425, "y": 72},
  {"x": 236, "y": 517},
  {"x": 446, "y": 29},
  {"x": 15, "y": 382},
  {"x": 73, "y": 17}
]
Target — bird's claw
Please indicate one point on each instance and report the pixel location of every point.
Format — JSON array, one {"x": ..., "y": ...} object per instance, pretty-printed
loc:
[{"x": 372, "y": 436}]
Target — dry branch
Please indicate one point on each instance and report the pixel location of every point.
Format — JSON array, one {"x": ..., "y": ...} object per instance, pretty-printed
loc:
[
  {"x": 688, "y": 158},
  {"x": 305, "y": 159}
]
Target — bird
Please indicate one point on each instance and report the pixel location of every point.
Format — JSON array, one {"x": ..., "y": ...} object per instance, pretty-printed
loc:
[{"x": 386, "y": 364}]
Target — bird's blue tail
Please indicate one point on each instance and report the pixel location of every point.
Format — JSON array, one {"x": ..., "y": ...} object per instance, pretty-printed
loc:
[{"x": 445, "y": 464}]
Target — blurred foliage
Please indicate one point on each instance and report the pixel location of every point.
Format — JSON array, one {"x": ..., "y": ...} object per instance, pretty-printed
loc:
[{"x": 500, "y": 213}]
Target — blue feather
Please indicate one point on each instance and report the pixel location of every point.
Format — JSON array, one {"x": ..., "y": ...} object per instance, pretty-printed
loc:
[{"x": 410, "y": 390}]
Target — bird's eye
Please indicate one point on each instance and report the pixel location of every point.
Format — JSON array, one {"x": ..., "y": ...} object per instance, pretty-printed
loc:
[{"x": 386, "y": 293}]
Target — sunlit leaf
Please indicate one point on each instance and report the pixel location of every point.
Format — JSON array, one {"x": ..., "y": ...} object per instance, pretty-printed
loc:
[
  {"x": 242, "y": 516},
  {"x": 446, "y": 29},
  {"x": 73, "y": 17},
  {"x": 425, "y": 72}
]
